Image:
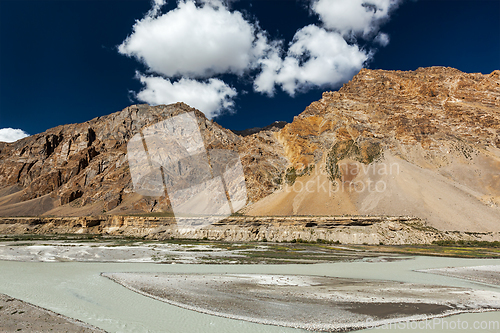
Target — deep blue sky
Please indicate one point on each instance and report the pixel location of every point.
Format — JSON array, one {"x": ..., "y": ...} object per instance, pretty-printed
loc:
[{"x": 59, "y": 63}]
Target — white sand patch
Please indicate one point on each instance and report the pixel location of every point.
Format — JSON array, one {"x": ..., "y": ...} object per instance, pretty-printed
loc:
[
  {"x": 489, "y": 274},
  {"x": 278, "y": 280},
  {"x": 138, "y": 252},
  {"x": 307, "y": 302}
]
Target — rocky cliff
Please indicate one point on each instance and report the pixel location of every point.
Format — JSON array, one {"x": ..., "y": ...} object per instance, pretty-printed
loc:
[
  {"x": 82, "y": 169},
  {"x": 335, "y": 229},
  {"x": 422, "y": 143}
]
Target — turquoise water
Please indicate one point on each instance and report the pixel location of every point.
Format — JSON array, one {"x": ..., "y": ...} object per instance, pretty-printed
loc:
[{"x": 77, "y": 290}]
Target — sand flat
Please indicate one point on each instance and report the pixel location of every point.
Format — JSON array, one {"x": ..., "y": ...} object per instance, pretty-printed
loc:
[
  {"x": 489, "y": 274},
  {"x": 307, "y": 302}
]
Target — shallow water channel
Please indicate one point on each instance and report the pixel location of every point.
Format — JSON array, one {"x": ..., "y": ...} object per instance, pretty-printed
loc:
[{"x": 77, "y": 290}]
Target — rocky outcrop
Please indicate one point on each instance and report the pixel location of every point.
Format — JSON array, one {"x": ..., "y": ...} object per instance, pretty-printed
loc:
[
  {"x": 422, "y": 143},
  {"x": 82, "y": 169},
  {"x": 342, "y": 229},
  {"x": 426, "y": 107}
]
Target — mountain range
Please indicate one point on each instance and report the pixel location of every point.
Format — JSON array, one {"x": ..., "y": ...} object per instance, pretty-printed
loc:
[{"x": 423, "y": 143}]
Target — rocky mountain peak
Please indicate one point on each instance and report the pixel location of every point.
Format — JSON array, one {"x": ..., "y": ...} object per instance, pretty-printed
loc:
[
  {"x": 432, "y": 136},
  {"x": 82, "y": 169},
  {"x": 421, "y": 107}
]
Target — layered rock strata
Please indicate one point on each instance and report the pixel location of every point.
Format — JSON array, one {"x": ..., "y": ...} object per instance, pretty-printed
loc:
[{"x": 346, "y": 230}]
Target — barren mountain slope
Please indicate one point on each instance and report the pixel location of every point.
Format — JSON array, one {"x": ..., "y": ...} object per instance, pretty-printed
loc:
[
  {"x": 82, "y": 169},
  {"x": 423, "y": 143}
]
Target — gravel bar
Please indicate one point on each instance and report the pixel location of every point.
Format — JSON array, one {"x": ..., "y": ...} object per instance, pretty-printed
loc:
[{"x": 308, "y": 302}]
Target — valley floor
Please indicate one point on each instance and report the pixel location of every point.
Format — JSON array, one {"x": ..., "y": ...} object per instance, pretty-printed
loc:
[{"x": 354, "y": 296}]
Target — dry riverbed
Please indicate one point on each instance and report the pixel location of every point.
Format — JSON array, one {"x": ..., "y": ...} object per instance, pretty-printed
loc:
[
  {"x": 483, "y": 274},
  {"x": 184, "y": 252}
]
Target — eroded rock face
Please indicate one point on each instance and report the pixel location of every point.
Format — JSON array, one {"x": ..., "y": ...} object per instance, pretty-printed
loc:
[
  {"x": 82, "y": 169},
  {"x": 429, "y": 139},
  {"x": 346, "y": 230},
  {"x": 422, "y": 143},
  {"x": 429, "y": 108}
]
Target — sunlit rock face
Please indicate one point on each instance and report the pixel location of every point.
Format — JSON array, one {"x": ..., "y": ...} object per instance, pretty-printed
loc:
[
  {"x": 82, "y": 169},
  {"x": 422, "y": 143}
]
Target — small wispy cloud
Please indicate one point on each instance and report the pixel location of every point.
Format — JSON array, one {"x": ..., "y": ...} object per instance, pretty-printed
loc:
[
  {"x": 382, "y": 39},
  {"x": 11, "y": 134},
  {"x": 354, "y": 18}
]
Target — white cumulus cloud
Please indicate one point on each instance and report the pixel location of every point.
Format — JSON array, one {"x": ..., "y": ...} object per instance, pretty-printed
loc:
[
  {"x": 195, "y": 41},
  {"x": 316, "y": 57},
  {"x": 212, "y": 97},
  {"x": 11, "y": 134},
  {"x": 354, "y": 17},
  {"x": 186, "y": 47},
  {"x": 326, "y": 55}
]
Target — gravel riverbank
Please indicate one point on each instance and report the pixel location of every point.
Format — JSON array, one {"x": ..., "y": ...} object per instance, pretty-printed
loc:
[
  {"x": 19, "y": 316},
  {"x": 308, "y": 302}
]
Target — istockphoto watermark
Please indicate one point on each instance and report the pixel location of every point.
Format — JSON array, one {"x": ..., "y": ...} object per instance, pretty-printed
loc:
[
  {"x": 349, "y": 176},
  {"x": 169, "y": 159},
  {"x": 439, "y": 324}
]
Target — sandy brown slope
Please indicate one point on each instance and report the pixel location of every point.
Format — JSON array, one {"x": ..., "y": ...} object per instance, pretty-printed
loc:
[{"x": 423, "y": 143}]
